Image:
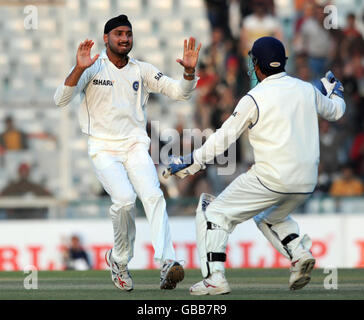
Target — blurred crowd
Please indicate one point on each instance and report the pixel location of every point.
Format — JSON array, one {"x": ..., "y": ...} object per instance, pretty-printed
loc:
[
  {"x": 14, "y": 139},
  {"x": 312, "y": 50}
]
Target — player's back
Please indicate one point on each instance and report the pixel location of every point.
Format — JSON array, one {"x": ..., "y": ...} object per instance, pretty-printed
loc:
[{"x": 285, "y": 138}]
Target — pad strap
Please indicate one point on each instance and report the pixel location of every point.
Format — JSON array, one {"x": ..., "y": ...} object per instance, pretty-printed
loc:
[
  {"x": 212, "y": 226},
  {"x": 289, "y": 238},
  {"x": 216, "y": 256}
]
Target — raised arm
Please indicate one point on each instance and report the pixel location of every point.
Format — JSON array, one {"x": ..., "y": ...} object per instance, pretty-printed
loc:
[
  {"x": 78, "y": 78},
  {"x": 245, "y": 115},
  {"x": 155, "y": 81},
  {"x": 190, "y": 58},
  {"x": 331, "y": 109}
]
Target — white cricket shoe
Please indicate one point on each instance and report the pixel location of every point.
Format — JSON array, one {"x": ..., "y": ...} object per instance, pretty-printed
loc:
[
  {"x": 171, "y": 273},
  {"x": 301, "y": 271},
  {"x": 213, "y": 285},
  {"x": 120, "y": 275}
]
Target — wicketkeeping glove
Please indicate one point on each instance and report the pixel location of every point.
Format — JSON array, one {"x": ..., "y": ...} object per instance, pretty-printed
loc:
[
  {"x": 182, "y": 166},
  {"x": 330, "y": 85}
]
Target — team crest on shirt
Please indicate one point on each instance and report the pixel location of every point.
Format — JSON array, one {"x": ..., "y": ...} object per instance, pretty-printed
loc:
[{"x": 136, "y": 85}]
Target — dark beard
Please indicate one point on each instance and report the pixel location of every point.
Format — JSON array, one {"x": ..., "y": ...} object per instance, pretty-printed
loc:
[{"x": 115, "y": 52}]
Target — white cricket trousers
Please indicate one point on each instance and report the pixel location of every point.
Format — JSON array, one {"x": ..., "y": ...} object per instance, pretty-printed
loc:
[
  {"x": 126, "y": 174},
  {"x": 246, "y": 197}
]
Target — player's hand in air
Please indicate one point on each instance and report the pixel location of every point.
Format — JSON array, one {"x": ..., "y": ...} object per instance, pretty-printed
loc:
[
  {"x": 190, "y": 55},
  {"x": 84, "y": 54},
  {"x": 330, "y": 85}
]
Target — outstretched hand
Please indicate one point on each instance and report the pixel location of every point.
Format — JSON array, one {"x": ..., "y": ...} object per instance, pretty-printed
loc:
[
  {"x": 190, "y": 55},
  {"x": 84, "y": 54}
]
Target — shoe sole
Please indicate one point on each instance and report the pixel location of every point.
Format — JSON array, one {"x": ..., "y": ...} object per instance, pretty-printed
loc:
[
  {"x": 196, "y": 293},
  {"x": 108, "y": 264},
  {"x": 305, "y": 272},
  {"x": 175, "y": 274}
]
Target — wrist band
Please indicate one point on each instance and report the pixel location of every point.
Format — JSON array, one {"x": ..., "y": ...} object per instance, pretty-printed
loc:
[{"x": 188, "y": 74}]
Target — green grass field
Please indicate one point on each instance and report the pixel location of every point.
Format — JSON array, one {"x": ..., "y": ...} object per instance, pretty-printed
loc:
[{"x": 246, "y": 284}]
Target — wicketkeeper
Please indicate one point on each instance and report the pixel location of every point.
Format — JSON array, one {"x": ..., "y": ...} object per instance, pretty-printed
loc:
[
  {"x": 280, "y": 114},
  {"x": 114, "y": 90}
]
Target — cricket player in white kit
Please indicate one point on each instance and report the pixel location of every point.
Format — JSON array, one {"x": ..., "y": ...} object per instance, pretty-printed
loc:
[
  {"x": 114, "y": 90},
  {"x": 281, "y": 116}
]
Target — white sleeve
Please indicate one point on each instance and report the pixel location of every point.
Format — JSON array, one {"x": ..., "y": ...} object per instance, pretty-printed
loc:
[
  {"x": 245, "y": 115},
  {"x": 156, "y": 81},
  {"x": 331, "y": 109},
  {"x": 65, "y": 94}
]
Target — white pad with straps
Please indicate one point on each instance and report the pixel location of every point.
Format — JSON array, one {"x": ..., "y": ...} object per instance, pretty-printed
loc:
[
  {"x": 297, "y": 246},
  {"x": 277, "y": 232},
  {"x": 210, "y": 242},
  {"x": 271, "y": 236}
]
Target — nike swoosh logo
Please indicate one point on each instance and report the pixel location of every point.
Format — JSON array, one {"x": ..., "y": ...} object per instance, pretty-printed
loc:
[
  {"x": 294, "y": 262},
  {"x": 208, "y": 285}
]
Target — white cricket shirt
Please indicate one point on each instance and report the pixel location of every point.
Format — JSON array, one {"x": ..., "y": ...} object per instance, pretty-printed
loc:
[
  {"x": 113, "y": 100},
  {"x": 281, "y": 114}
]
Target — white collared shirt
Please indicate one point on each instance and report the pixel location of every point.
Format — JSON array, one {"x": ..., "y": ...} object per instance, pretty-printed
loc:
[
  {"x": 113, "y": 100},
  {"x": 281, "y": 113}
]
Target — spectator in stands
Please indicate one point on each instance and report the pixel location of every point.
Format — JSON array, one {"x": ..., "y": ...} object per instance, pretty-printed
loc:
[
  {"x": 246, "y": 7},
  {"x": 316, "y": 42},
  {"x": 207, "y": 81},
  {"x": 357, "y": 153},
  {"x": 304, "y": 12},
  {"x": 235, "y": 18},
  {"x": 300, "y": 59},
  {"x": 323, "y": 181},
  {"x": 239, "y": 9},
  {"x": 205, "y": 107},
  {"x": 350, "y": 31},
  {"x": 24, "y": 187},
  {"x": 235, "y": 76},
  {"x": 13, "y": 138},
  {"x": 225, "y": 105},
  {"x": 330, "y": 142},
  {"x": 356, "y": 61},
  {"x": 217, "y": 14},
  {"x": 214, "y": 55},
  {"x": 347, "y": 185},
  {"x": 75, "y": 256},
  {"x": 259, "y": 24},
  {"x": 304, "y": 73}
]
